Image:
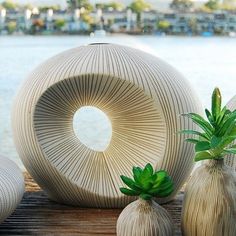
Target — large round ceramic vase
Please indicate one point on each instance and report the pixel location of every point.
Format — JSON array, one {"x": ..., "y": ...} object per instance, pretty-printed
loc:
[
  {"x": 209, "y": 206},
  {"x": 230, "y": 160},
  {"x": 143, "y": 98},
  {"x": 11, "y": 187}
]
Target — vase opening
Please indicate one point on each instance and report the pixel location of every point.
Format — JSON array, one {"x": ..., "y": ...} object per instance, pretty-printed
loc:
[
  {"x": 93, "y": 128},
  {"x": 98, "y": 43}
]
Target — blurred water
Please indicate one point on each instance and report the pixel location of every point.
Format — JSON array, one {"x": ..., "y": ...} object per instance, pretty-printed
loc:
[{"x": 206, "y": 62}]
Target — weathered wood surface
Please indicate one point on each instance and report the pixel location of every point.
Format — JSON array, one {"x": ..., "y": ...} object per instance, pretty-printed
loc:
[{"x": 37, "y": 215}]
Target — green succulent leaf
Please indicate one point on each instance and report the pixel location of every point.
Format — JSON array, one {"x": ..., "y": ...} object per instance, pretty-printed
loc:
[
  {"x": 202, "y": 145},
  {"x": 165, "y": 193},
  {"x": 163, "y": 190},
  {"x": 201, "y": 122},
  {"x": 223, "y": 115},
  {"x": 149, "y": 168},
  {"x": 148, "y": 183},
  {"x": 233, "y": 131},
  {"x": 146, "y": 173},
  {"x": 230, "y": 150},
  {"x": 191, "y": 140},
  {"x": 226, "y": 141},
  {"x": 228, "y": 125},
  {"x": 129, "y": 192},
  {"x": 137, "y": 173},
  {"x": 159, "y": 178},
  {"x": 146, "y": 196},
  {"x": 209, "y": 116},
  {"x": 203, "y": 155},
  {"x": 194, "y": 132},
  {"x": 215, "y": 141},
  {"x": 216, "y": 103},
  {"x": 233, "y": 146},
  {"x": 130, "y": 183},
  {"x": 166, "y": 184}
]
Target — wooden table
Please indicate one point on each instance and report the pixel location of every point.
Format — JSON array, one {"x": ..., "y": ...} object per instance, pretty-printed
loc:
[{"x": 37, "y": 215}]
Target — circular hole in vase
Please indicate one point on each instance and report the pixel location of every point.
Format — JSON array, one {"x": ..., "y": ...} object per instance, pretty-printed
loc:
[{"x": 93, "y": 128}]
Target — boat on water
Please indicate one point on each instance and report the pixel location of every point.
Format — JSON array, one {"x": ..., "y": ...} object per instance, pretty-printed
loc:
[
  {"x": 207, "y": 34},
  {"x": 232, "y": 34}
]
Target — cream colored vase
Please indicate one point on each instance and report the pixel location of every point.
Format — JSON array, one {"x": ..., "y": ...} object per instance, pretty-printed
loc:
[
  {"x": 11, "y": 187},
  {"x": 144, "y": 218},
  {"x": 230, "y": 160},
  {"x": 143, "y": 98},
  {"x": 209, "y": 207}
]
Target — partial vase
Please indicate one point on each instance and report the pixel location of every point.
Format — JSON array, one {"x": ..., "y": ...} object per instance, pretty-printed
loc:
[
  {"x": 209, "y": 206},
  {"x": 11, "y": 187},
  {"x": 145, "y": 218},
  {"x": 210, "y": 201},
  {"x": 230, "y": 160}
]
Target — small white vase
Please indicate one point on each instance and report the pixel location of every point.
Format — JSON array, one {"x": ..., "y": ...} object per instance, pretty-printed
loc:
[
  {"x": 144, "y": 218},
  {"x": 209, "y": 207}
]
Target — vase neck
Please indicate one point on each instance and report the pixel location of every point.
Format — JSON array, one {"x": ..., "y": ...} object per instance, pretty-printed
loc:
[
  {"x": 216, "y": 163},
  {"x": 146, "y": 202},
  {"x": 144, "y": 206}
]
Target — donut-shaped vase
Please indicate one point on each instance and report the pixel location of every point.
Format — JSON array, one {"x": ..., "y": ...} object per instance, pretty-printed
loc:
[
  {"x": 142, "y": 96},
  {"x": 11, "y": 187}
]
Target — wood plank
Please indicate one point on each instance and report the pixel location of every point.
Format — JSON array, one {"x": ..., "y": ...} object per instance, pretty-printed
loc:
[{"x": 37, "y": 215}]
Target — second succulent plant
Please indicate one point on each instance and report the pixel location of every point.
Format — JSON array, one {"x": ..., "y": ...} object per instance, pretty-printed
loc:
[{"x": 144, "y": 216}]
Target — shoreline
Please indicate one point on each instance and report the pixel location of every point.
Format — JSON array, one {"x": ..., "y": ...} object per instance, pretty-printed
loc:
[{"x": 110, "y": 35}]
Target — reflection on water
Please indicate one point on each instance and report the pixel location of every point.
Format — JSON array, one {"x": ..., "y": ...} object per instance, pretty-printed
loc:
[{"x": 205, "y": 62}]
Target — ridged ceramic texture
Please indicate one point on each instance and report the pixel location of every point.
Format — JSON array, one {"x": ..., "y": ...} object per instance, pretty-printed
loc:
[
  {"x": 143, "y": 98},
  {"x": 209, "y": 207},
  {"x": 144, "y": 218},
  {"x": 230, "y": 160},
  {"x": 11, "y": 187}
]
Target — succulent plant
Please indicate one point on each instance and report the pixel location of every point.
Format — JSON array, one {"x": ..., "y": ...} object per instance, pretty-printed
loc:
[
  {"x": 144, "y": 217},
  {"x": 218, "y": 131},
  {"x": 147, "y": 183}
]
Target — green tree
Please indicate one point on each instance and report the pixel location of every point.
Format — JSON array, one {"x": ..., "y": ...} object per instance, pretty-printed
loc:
[
  {"x": 113, "y": 5},
  {"x": 229, "y": 5},
  {"x": 192, "y": 23},
  {"x": 9, "y": 5},
  {"x": 163, "y": 25},
  {"x": 73, "y": 4},
  {"x": 181, "y": 5},
  {"x": 11, "y": 27},
  {"x": 87, "y": 19},
  {"x": 116, "y": 5},
  {"x": 138, "y": 6},
  {"x": 213, "y": 5},
  {"x": 53, "y": 7},
  {"x": 59, "y": 23}
]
